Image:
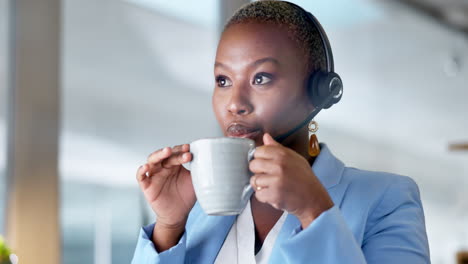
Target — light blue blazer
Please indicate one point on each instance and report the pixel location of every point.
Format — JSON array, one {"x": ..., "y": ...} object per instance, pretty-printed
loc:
[{"x": 377, "y": 218}]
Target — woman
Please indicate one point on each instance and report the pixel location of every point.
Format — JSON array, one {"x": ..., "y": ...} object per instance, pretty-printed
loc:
[{"x": 307, "y": 208}]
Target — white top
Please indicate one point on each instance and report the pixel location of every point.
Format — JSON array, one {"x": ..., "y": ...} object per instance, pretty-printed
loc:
[{"x": 239, "y": 246}]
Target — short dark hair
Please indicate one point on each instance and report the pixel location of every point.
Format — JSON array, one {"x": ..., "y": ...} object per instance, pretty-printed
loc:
[{"x": 300, "y": 28}]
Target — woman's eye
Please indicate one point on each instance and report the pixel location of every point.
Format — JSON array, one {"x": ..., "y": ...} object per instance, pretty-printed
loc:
[
  {"x": 222, "y": 81},
  {"x": 261, "y": 79}
]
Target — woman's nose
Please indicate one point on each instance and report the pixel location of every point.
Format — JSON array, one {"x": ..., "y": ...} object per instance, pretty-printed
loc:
[{"x": 239, "y": 103}]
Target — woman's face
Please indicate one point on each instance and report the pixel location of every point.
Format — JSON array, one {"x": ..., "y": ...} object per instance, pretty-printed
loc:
[{"x": 259, "y": 82}]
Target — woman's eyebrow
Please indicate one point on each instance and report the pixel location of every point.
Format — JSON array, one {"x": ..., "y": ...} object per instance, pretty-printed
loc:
[{"x": 255, "y": 63}]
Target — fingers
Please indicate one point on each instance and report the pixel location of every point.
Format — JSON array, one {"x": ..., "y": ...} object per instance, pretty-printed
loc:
[
  {"x": 262, "y": 180},
  {"x": 181, "y": 148},
  {"x": 271, "y": 152},
  {"x": 140, "y": 175},
  {"x": 264, "y": 192},
  {"x": 254, "y": 184},
  {"x": 259, "y": 166},
  {"x": 176, "y": 159},
  {"x": 163, "y": 153},
  {"x": 169, "y": 163},
  {"x": 269, "y": 140},
  {"x": 142, "y": 179},
  {"x": 164, "y": 158},
  {"x": 159, "y": 155}
]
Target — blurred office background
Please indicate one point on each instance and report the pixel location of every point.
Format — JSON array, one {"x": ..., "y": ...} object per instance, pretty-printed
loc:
[{"x": 136, "y": 75}]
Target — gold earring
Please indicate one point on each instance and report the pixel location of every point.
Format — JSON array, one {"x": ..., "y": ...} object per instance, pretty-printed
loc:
[{"x": 314, "y": 148}]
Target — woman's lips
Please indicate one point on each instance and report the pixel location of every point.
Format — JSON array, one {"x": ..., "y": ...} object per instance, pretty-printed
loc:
[{"x": 238, "y": 130}]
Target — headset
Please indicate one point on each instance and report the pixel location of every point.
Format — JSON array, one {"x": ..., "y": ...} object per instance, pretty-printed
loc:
[{"x": 324, "y": 88}]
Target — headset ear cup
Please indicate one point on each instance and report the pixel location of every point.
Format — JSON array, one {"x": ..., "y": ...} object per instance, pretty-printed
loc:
[
  {"x": 332, "y": 84},
  {"x": 314, "y": 84},
  {"x": 321, "y": 86}
]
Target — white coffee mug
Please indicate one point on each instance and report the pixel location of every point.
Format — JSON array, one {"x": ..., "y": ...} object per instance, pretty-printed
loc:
[{"x": 220, "y": 173}]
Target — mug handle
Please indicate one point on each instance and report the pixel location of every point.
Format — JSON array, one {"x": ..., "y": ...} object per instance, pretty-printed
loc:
[
  {"x": 250, "y": 154},
  {"x": 187, "y": 164},
  {"x": 248, "y": 190}
]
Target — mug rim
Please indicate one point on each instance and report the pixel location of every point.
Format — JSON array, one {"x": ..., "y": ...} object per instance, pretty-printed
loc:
[{"x": 223, "y": 139}]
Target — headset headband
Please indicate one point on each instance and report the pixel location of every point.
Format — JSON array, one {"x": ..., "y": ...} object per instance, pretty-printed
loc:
[
  {"x": 328, "y": 85},
  {"x": 325, "y": 42}
]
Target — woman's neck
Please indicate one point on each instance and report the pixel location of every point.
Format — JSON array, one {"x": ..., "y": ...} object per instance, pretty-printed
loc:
[
  {"x": 299, "y": 142},
  {"x": 264, "y": 217}
]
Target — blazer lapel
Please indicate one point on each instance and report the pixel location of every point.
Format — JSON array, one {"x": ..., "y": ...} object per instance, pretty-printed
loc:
[
  {"x": 330, "y": 170},
  {"x": 327, "y": 167}
]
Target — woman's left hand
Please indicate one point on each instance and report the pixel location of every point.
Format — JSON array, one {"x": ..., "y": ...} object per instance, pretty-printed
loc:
[{"x": 285, "y": 180}]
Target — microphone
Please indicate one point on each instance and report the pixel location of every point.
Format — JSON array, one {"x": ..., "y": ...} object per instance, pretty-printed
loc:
[{"x": 335, "y": 94}]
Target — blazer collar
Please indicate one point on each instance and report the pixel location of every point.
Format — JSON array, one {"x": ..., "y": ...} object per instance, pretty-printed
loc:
[{"x": 327, "y": 167}]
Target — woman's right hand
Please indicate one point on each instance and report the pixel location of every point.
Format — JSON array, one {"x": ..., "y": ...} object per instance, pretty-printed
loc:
[{"x": 167, "y": 185}]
